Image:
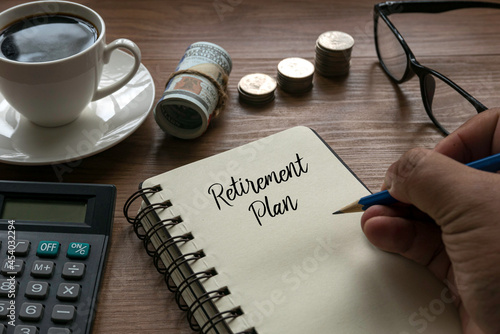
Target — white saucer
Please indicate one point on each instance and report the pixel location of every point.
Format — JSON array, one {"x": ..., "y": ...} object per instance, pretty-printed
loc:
[{"x": 103, "y": 124}]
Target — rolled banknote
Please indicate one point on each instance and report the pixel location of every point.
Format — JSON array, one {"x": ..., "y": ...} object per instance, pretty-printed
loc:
[{"x": 195, "y": 92}]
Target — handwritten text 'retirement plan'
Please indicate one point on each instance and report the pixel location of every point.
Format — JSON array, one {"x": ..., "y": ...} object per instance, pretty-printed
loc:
[{"x": 260, "y": 208}]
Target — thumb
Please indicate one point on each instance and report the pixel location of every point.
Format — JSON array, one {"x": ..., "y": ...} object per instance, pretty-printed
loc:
[{"x": 440, "y": 186}]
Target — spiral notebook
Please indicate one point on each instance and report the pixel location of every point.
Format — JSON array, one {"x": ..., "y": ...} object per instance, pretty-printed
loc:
[{"x": 247, "y": 242}]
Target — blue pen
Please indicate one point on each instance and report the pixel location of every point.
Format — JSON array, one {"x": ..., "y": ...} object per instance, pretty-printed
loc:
[{"x": 488, "y": 164}]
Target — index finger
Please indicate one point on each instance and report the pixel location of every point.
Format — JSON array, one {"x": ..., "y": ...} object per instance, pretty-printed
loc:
[{"x": 477, "y": 138}]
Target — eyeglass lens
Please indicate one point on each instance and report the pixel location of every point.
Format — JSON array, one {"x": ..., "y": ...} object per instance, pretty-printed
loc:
[
  {"x": 449, "y": 108},
  {"x": 392, "y": 55}
]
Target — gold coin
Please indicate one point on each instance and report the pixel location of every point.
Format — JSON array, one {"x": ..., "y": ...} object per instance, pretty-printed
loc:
[
  {"x": 296, "y": 68},
  {"x": 336, "y": 40},
  {"x": 257, "y": 84}
]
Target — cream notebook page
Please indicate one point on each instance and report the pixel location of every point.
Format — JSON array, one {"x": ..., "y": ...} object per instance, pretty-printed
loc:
[{"x": 291, "y": 265}]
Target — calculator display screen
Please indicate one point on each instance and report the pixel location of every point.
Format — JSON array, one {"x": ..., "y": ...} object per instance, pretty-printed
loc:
[{"x": 44, "y": 210}]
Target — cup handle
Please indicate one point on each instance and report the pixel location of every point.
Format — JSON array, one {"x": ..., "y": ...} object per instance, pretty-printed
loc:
[{"x": 136, "y": 52}]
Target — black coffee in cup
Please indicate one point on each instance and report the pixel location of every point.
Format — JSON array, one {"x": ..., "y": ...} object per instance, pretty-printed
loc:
[{"x": 45, "y": 37}]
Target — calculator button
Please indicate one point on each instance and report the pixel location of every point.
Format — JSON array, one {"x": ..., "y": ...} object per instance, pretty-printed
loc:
[
  {"x": 63, "y": 313},
  {"x": 12, "y": 267},
  {"x": 4, "y": 309},
  {"x": 68, "y": 291},
  {"x": 78, "y": 250},
  {"x": 8, "y": 287},
  {"x": 58, "y": 330},
  {"x": 21, "y": 248},
  {"x": 42, "y": 269},
  {"x": 73, "y": 270},
  {"x": 37, "y": 290},
  {"x": 48, "y": 249},
  {"x": 21, "y": 329},
  {"x": 31, "y": 312}
]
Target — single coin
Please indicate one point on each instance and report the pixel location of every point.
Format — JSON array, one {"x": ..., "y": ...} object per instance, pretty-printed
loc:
[
  {"x": 335, "y": 40},
  {"x": 257, "y": 84},
  {"x": 296, "y": 68}
]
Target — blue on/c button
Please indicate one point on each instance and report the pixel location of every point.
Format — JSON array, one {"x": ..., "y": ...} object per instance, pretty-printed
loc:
[
  {"x": 78, "y": 250},
  {"x": 48, "y": 249}
]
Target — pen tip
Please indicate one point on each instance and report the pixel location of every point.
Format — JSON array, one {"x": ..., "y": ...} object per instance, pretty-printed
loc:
[{"x": 338, "y": 212}]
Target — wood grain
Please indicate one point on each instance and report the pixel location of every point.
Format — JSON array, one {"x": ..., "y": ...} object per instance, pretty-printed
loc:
[{"x": 366, "y": 119}]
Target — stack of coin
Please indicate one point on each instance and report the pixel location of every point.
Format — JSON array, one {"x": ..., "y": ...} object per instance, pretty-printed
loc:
[
  {"x": 333, "y": 53},
  {"x": 295, "y": 75},
  {"x": 257, "y": 88}
]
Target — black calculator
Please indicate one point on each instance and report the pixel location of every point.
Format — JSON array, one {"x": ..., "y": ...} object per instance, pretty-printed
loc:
[{"x": 54, "y": 240}]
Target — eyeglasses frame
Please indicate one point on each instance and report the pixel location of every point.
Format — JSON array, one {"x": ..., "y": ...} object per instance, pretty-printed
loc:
[{"x": 413, "y": 67}]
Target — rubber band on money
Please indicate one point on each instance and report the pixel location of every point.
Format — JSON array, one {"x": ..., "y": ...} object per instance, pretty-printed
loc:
[{"x": 221, "y": 89}]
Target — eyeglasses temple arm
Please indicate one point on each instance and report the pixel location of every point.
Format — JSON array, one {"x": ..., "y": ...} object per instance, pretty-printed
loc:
[{"x": 394, "y": 7}]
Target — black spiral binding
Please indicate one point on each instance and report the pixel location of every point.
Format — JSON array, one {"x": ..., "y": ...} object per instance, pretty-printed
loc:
[
  {"x": 143, "y": 213},
  {"x": 138, "y": 194},
  {"x": 207, "y": 296},
  {"x": 165, "y": 246},
  {"x": 179, "y": 261},
  {"x": 160, "y": 225},
  {"x": 220, "y": 317},
  {"x": 187, "y": 282}
]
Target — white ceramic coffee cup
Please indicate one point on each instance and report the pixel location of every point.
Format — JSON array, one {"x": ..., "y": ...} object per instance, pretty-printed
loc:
[{"x": 54, "y": 93}]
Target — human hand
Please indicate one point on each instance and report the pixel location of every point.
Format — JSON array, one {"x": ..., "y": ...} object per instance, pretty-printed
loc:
[{"x": 451, "y": 220}]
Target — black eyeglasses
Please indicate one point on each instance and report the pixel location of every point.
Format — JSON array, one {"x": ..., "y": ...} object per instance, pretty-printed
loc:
[{"x": 446, "y": 103}]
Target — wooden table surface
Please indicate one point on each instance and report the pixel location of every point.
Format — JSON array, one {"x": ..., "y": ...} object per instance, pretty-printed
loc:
[{"x": 365, "y": 118}]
